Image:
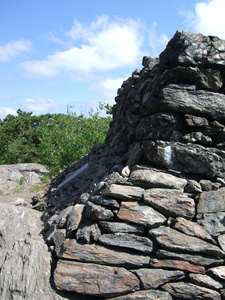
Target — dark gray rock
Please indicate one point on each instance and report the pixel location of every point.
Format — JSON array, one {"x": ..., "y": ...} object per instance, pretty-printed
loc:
[
  {"x": 126, "y": 240},
  {"x": 183, "y": 290},
  {"x": 213, "y": 223},
  {"x": 140, "y": 214},
  {"x": 190, "y": 158},
  {"x": 118, "y": 227},
  {"x": 97, "y": 212},
  {"x": 192, "y": 102},
  {"x": 172, "y": 239},
  {"x": 145, "y": 295},
  {"x": 99, "y": 280},
  {"x": 92, "y": 253},
  {"x": 211, "y": 202},
  {"x": 170, "y": 202},
  {"x": 148, "y": 178},
  {"x": 153, "y": 278},
  {"x": 186, "y": 49},
  {"x": 206, "y": 281},
  {"x": 123, "y": 192},
  {"x": 198, "y": 259}
]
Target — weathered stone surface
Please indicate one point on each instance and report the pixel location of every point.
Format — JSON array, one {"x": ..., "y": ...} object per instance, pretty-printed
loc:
[
  {"x": 140, "y": 214},
  {"x": 172, "y": 239},
  {"x": 92, "y": 253},
  {"x": 183, "y": 290},
  {"x": 213, "y": 223},
  {"x": 177, "y": 265},
  {"x": 193, "y": 187},
  {"x": 126, "y": 240},
  {"x": 197, "y": 259},
  {"x": 186, "y": 48},
  {"x": 193, "y": 229},
  {"x": 195, "y": 121},
  {"x": 61, "y": 219},
  {"x": 193, "y": 102},
  {"x": 160, "y": 126},
  {"x": 25, "y": 262},
  {"x": 190, "y": 158},
  {"x": 124, "y": 192},
  {"x": 99, "y": 280},
  {"x": 212, "y": 201},
  {"x": 74, "y": 218},
  {"x": 145, "y": 295},
  {"x": 151, "y": 179},
  {"x": 88, "y": 232},
  {"x": 118, "y": 227},
  {"x": 221, "y": 241},
  {"x": 198, "y": 138},
  {"x": 206, "y": 281},
  {"x": 111, "y": 203},
  {"x": 170, "y": 202},
  {"x": 218, "y": 272},
  {"x": 153, "y": 278},
  {"x": 97, "y": 212}
]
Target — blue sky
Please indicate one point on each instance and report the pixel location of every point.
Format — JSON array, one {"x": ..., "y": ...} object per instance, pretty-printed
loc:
[{"x": 60, "y": 53}]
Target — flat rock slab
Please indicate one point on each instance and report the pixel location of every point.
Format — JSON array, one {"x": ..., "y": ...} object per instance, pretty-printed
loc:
[
  {"x": 172, "y": 239},
  {"x": 97, "y": 212},
  {"x": 170, "y": 202},
  {"x": 153, "y": 278},
  {"x": 99, "y": 280},
  {"x": 212, "y": 201},
  {"x": 187, "y": 48},
  {"x": 145, "y": 295},
  {"x": 193, "y": 102},
  {"x": 193, "y": 229},
  {"x": 194, "y": 258},
  {"x": 177, "y": 265},
  {"x": 190, "y": 158},
  {"x": 124, "y": 192},
  {"x": 213, "y": 223},
  {"x": 153, "y": 179},
  {"x": 120, "y": 227},
  {"x": 206, "y": 281},
  {"x": 130, "y": 241},
  {"x": 140, "y": 214},
  {"x": 92, "y": 253},
  {"x": 218, "y": 272},
  {"x": 183, "y": 290}
]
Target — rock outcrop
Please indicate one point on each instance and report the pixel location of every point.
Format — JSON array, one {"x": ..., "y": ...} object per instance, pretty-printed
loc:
[{"x": 142, "y": 216}]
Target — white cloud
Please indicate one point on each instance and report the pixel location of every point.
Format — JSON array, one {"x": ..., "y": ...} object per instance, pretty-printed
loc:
[
  {"x": 208, "y": 18},
  {"x": 157, "y": 42},
  {"x": 105, "y": 46},
  {"x": 4, "y": 111},
  {"x": 14, "y": 49},
  {"x": 108, "y": 86},
  {"x": 39, "y": 104}
]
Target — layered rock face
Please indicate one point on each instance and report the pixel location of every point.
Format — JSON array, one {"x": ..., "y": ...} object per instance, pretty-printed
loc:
[{"x": 142, "y": 216}]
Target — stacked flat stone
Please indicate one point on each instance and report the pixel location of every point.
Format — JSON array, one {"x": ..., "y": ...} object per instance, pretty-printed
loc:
[{"x": 145, "y": 219}]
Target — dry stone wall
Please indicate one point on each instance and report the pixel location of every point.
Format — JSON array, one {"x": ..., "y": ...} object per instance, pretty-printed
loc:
[{"x": 142, "y": 216}]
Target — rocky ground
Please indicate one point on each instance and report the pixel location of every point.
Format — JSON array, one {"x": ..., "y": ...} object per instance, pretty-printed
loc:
[{"x": 25, "y": 261}]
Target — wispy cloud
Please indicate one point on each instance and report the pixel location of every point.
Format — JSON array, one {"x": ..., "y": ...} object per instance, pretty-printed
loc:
[
  {"x": 14, "y": 49},
  {"x": 106, "y": 45},
  {"x": 108, "y": 86},
  {"x": 39, "y": 104},
  {"x": 207, "y": 18},
  {"x": 4, "y": 111},
  {"x": 157, "y": 41}
]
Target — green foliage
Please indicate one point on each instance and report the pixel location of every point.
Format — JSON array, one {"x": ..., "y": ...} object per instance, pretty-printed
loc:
[{"x": 54, "y": 140}]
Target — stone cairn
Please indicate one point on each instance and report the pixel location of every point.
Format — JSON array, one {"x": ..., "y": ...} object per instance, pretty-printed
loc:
[{"x": 143, "y": 215}]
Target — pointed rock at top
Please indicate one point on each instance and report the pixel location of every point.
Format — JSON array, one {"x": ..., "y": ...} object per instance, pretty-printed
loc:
[{"x": 187, "y": 48}]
